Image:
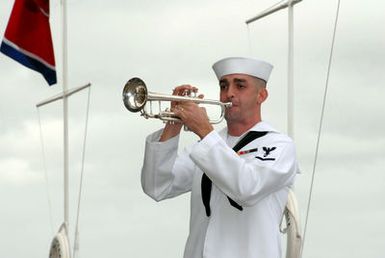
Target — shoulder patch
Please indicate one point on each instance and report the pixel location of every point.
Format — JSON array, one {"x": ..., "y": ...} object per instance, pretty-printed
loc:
[{"x": 267, "y": 151}]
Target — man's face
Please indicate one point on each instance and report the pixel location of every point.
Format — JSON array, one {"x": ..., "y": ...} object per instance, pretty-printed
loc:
[{"x": 244, "y": 92}]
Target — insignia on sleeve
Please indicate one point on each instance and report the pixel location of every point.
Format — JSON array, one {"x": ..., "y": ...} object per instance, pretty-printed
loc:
[{"x": 267, "y": 151}]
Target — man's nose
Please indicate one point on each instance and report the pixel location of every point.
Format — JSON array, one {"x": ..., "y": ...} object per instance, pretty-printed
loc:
[{"x": 230, "y": 92}]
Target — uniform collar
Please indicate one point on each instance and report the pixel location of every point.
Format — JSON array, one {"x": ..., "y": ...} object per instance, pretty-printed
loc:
[
  {"x": 263, "y": 127},
  {"x": 259, "y": 127}
]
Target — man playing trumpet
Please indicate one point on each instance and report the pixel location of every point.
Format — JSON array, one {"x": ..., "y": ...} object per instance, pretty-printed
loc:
[{"x": 239, "y": 177}]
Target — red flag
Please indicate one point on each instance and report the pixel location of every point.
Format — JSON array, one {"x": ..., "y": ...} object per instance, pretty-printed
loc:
[{"x": 28, "y": 40}]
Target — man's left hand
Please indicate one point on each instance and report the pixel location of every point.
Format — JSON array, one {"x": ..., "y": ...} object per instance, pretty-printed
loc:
[{"x": 194, "y": 117}]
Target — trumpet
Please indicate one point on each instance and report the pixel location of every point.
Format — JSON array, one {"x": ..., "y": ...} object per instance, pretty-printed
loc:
[{"x": 136, "y": 97}]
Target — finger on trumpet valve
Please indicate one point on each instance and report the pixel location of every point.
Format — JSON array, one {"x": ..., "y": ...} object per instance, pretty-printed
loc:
[{"x": 186, "y": 92}]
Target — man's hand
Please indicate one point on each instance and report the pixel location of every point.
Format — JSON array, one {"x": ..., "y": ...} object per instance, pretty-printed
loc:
[
  {"x": 173, "y": 128},
  {"x": 194, "y": 117}
]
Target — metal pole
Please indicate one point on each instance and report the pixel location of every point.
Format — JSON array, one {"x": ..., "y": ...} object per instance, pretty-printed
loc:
[
  {"x": 290, "y": 70},
  {"x": 61, "y": 95},
  {"x": 272, "y": 10},
  {"x": 65, "y": 112},
  {"x": 290, "y": 73}
]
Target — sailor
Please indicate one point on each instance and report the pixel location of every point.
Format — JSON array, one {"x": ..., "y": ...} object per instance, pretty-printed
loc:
[{"x": 238, "y": 177}]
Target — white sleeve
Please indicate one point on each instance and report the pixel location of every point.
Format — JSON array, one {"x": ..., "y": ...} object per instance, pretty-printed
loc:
[
  {"x": 245, "y": 180},
  {"x": 165, "y": 174}
]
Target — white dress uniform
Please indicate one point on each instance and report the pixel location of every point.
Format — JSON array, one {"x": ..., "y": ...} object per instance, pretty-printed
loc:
[{"x": 258, "y": 178}]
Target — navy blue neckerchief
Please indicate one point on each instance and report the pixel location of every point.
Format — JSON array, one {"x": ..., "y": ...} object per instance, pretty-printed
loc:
[{"x": 206, "y": 183}]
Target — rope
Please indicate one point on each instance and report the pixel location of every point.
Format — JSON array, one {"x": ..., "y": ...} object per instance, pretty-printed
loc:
[
  {"x": 320, "y": 127},
  {"x": 76, "y": 243},
  {"x": 45, "y": 171}
]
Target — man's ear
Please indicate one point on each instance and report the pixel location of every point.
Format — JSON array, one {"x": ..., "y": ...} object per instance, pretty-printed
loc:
[{"x": 262, "y": 95}]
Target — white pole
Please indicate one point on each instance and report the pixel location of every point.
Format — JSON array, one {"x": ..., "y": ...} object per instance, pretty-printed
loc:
[
  {"x": 290, "y": 70},
  {"x": 273, "y": 9},
  {"x": 65, "y": 111},
  {"x": 290, "y": 73}
]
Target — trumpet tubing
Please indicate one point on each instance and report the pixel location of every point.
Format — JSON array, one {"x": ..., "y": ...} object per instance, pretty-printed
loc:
[{"x": 136, "y": 97}]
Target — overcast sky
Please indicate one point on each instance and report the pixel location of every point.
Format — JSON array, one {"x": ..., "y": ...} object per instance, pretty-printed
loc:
[{"x": 168, "y": 43}]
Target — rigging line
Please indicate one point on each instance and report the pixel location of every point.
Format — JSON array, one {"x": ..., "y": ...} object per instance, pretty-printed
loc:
[
  {"x": 76, "y": 244},
  {"x": 320, "y": 126},
  {"x": 45, "y": 171}
]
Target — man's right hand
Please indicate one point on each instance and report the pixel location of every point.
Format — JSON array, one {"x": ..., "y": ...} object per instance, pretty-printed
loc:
[{"x": 172, "y": 129}]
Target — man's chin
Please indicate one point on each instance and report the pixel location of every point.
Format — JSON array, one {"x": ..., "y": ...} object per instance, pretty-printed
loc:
[{"x": 231, "y": 116}]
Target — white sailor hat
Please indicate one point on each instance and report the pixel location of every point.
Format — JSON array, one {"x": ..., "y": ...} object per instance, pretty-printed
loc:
[{"x": 242, "y": 65}]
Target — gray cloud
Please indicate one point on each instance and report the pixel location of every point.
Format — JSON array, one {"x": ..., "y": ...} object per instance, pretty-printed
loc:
[{"x": 172, "y": 42}]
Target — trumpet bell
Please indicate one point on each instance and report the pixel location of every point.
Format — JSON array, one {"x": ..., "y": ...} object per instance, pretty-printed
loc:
[{"x": 135, "y": 94}]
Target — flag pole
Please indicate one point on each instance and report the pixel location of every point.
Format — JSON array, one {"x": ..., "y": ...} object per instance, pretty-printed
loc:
[
  {"x": 65, "y": 111},
  {"x": 290, "y": 73},
  {"x": 290, "y": 69}
]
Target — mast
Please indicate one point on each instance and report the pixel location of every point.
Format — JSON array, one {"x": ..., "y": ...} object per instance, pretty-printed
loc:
[
  {"x": 61, "y": 244},
  {"x": 65, "y": 113},
  {"x": 290, "y": 70}
]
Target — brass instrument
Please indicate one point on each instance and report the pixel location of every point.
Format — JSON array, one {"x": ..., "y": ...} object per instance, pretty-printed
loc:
[{"x": 136, "y": 97}]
